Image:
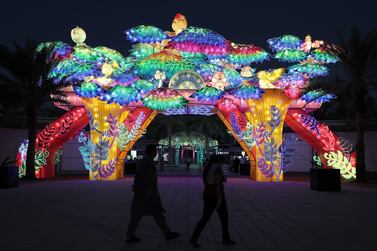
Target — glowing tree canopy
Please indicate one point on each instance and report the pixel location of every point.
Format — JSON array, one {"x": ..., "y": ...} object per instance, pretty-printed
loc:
[{"x": 193, "y": 70}]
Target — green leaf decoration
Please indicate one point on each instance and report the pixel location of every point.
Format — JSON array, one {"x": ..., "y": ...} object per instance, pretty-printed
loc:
[
  {"x": 101, "y": 150},
  {"x": 339, "y": 161},
  {"x": 58, "y": 156},
  {"x": 40, "y": 158},
  {"x": 122, "y": 139},
  {"x": 270, "y": 150},
  {"x": 317, "y": 160},
  {"x": 248, "y": 136}
]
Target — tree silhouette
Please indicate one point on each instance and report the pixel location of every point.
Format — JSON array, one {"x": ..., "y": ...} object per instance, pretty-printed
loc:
[
  {"x": 25, "y": 83},
  {"x": 358, "y": 57}
]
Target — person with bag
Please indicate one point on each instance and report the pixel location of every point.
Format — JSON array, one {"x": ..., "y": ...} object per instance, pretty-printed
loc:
[
  {"x": 214, "y": 199},
  {"x": 146, "y": 200}
]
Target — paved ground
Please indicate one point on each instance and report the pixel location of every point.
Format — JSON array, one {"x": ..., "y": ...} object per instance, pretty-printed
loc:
[{"x": 84, "y": 215}]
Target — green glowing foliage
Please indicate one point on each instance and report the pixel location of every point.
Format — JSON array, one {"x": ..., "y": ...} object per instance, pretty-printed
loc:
[
  {"x": 164, "y": 98},
  {"x": 148, "y": 67},
  {"x": 339, "y": 161},
  {"x": 85, "y": 54},
  {"x": 323, "y": 56},
  {"x": 143, "y": 85},
  {"x": 290, "y": 55},
  {"x": 145, "y": 34},
  {"x": 140, "y": 51}
]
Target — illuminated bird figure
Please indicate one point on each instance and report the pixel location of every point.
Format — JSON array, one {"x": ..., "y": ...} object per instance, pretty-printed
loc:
[
  {"x": 309, "y": 44},
  {"x": 179, "y": 23}
]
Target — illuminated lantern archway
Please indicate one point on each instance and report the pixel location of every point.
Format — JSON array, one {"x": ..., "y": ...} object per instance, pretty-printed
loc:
[{"x": 191, "y": 70}]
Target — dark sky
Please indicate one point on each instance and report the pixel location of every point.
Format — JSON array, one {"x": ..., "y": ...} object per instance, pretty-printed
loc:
[{"x": 239, "y": 21}]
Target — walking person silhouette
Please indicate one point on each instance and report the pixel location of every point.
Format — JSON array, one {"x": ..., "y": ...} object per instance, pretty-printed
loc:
[
  {"x": 214, "y": 198},
  {"x": 147, "y": 199}
]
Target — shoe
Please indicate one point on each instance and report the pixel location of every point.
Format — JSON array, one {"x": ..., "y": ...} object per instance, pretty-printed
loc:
[
  {"x": 229, "y": 243},
  {"x": 194, "y": 244},
  {"x": 172, "y": 236},
  {"x": 133, "y": 239}
]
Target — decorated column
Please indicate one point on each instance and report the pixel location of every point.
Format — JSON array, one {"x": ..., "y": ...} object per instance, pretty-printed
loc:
[
  {"x": 266, "y": 115},
  {"x": 105, "y": 119}
]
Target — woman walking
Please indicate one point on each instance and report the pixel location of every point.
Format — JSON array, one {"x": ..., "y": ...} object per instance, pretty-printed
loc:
[{"x": 214, "y": 198}]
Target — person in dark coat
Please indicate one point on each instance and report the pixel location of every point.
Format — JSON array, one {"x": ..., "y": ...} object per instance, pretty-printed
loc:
[
  {"x": 147, "y": 199},
  {"x": 214, "y": 199}
]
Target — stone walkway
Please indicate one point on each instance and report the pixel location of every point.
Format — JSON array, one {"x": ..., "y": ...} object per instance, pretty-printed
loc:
[{"x": 84, "y": 215}]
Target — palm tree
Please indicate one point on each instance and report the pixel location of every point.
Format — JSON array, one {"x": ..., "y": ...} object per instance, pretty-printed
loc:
[
  {"x": 359, "y": 60},
  {"x": 25, "y": 83}
]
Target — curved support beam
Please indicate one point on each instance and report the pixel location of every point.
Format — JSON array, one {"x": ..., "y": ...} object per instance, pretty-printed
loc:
[
  {"x": 149, "y": 115},
  {"x": 54, "y": 136},
  {"x": 324, "y": 142}
]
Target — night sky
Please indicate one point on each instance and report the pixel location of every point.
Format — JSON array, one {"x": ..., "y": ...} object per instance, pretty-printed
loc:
[{"x": 239, "y": 21}]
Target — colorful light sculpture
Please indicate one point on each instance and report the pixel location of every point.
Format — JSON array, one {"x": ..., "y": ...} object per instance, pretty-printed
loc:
[{"x": 194, "y": 70}]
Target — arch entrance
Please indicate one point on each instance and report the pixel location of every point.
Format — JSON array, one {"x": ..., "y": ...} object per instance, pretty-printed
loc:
[{"x": 192, "y": 70}]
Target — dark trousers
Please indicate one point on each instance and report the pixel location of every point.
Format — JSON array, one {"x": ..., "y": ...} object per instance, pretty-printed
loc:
[
  {"x": 209, "y": 207},
  {"x": 158, "y": 217}
]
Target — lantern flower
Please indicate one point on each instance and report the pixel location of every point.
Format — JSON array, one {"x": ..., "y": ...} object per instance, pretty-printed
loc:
[
  {"x": 308, "y": 68},
  {"x": 122, "y": 95},
  {"x": 200, "y": 40},
  {"x": 164, "y": 98},
  {"x": 323, "y": 56},
  {"x": 208, "y": 94},
  {"x": 218, "y": 81},
  {"x": 245, "y": 54},
  {"x": 247, "y": 92},
  {"x": 284, "y": 42},
  {"x": 226, "y": 105},
  {"x": 145, "y": 34},
  {"x": 290, "y": 55}
]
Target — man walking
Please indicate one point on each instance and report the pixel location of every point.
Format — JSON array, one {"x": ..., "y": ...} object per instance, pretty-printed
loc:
[{"x": 147, "y": 199}]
